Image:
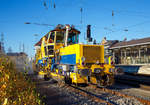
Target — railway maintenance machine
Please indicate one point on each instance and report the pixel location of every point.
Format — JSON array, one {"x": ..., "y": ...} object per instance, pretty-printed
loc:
[{"x": 60, "y": 55}]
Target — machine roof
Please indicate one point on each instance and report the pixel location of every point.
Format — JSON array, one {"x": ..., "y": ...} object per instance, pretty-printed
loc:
[{"x": 58, "y": 28}]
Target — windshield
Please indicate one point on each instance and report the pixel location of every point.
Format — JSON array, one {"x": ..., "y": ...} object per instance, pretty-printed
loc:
[
  {"x": 51, "y": 39},
  {"x": 60, "y": 37},
  {"x": 73, "y": 38}
]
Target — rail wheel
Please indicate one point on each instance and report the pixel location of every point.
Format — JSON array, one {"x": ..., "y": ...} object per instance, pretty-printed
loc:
[
  {"x": 46, "y": 77},
  {"x": 68, "y": 80},
  {"x": 104, "y": 80}
]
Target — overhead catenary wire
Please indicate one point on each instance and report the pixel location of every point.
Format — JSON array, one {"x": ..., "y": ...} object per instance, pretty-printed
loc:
[
  {"x": 128, "y": 12},
  {"x": 126, "y": 28}
]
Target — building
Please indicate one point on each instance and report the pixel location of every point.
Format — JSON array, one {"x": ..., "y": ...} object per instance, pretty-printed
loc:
[
  {"x": 107, "y": 44},
  {"x": 133, "y": 52},
  {"x": 18, "y": 57}
]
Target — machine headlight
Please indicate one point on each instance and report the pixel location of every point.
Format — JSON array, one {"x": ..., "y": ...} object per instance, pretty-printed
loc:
[
  {"x": 85, "y": 72},
  {"x": 111, "y": 70},
  {"x": 83, "y": 59},
  {"x": 98, "y": 70},
  {"x": 75, "y": 69}
]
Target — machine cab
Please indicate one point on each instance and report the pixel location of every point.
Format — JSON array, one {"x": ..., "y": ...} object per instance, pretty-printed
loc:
[{"x": 61, "y": 36}]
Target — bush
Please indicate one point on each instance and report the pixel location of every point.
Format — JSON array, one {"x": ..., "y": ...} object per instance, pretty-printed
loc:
[{"x": 14, "y": 88}]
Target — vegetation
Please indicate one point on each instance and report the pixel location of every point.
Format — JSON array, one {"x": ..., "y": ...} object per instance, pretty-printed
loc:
[{"x": 15, "y": 89}]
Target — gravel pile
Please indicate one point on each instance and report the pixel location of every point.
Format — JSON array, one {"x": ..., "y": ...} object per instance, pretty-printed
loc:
[{"x": 127, "y": 101}]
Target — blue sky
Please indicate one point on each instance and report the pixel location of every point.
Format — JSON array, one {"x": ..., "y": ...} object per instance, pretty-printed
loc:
[{"x": 131, "y": 15}]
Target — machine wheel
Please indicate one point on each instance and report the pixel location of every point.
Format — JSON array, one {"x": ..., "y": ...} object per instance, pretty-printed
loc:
[
  {"x": 46, "y": 78},
  {"x": 68, "y": 80},
  {"x": 105, "y": 80}
]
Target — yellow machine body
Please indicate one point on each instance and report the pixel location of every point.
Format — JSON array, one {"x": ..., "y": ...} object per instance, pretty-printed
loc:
[
  {"x": 66, "y": 59},
  {"x": 86, "y": 52}
]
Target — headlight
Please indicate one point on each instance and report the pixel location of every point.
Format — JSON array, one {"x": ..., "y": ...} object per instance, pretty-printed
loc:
[
  {"x": 75, "y": 69},
  {"x": 85, "y": 72},
  {"x": 98, "y": 70},
  {"x": 111, "y": 70},
  {"x": 83, "y": 59}
]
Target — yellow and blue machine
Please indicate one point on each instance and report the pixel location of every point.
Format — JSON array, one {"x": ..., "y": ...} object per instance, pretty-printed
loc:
[{"x": 62, "y": 57}]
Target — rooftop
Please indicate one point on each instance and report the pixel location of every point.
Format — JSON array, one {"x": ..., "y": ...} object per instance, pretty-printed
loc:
[
  {"x": 17, "y": 54},
  {"x": 130, "y": 43}
]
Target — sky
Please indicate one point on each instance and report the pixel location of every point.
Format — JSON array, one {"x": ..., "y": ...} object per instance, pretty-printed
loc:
[{"x": 131, "y": 20}]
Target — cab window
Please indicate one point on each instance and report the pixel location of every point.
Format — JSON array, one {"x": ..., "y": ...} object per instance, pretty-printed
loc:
[
  {"x": 51, "y": 40},
  {"x": 60, "y": 37},
  {"x": 73, "y": 38}
]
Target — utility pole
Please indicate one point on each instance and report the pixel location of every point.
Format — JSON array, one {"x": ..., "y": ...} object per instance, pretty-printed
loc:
[
  {"x": 23, "y": 48},
  {"x": 2, "y": 43},
  {"x": 9, "y": 50},
  {"x": 20, "y": 47},
  {"x": 113, "y": 18}
]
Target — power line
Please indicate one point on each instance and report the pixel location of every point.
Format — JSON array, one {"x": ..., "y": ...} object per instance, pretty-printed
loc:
[
  {"x": 40, "y": 24},
  {"x": 128, "y": 12},
  {"x": 126, "y": 28}
]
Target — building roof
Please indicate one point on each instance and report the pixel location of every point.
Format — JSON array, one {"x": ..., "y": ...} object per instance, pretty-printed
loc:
[
  {"x": 111, "y": 42},
  {"x": 17, "y": 54},
  {"x": 135, "y": 42}
]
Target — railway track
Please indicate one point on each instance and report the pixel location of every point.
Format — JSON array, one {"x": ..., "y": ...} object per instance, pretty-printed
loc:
[
  {"x": 105, "y": 95},
  {"x": 85, "y": 93},
  {"x": 141, "y": 82},
  {"x": 113, "y": 92},
  {"x": 143, "y": 101}
]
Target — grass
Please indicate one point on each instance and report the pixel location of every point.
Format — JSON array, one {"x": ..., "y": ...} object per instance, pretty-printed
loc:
[{"x": 15, "y": 89}]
